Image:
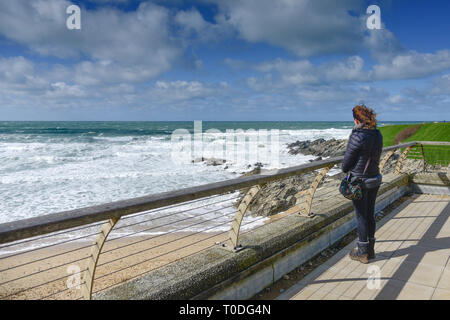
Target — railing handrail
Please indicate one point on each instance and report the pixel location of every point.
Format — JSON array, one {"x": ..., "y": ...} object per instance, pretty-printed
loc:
[
  {"x": 434, "y": 143},
  {"x": 27, "y": 228}
]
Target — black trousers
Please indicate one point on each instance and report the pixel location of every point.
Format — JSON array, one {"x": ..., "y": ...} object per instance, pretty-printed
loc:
[{"x": 365, "y": 214}]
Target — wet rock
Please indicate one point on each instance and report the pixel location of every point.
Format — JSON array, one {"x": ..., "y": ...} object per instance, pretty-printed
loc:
[
  {"x": 209, "y": 161},
  {"x": 319, "y": 147},
  {"x": 215, "y": 162},
  {"x": 256, "y": 170},
  {"x": 278, "y": 196},
  {"x": 258, "y": 165}
]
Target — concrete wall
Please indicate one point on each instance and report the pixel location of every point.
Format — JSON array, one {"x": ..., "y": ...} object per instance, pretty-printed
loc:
[
  {"x": 431, "y": 182},
  {"x": 269, "y": 252}
]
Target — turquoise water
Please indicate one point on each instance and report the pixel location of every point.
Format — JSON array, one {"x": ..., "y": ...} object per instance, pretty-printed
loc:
[
  {"x": 48, "y": 167},
  {"x": 93, "y": 128}
]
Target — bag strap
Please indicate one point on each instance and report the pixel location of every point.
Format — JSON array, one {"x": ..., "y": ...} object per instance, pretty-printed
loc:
[
  {"x": 370, "y": 157},
  {"x": 367, "y": 165}
]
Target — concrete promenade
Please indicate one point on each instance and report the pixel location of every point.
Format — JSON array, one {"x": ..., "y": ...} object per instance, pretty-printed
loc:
[{"x": 412, "y": 259}]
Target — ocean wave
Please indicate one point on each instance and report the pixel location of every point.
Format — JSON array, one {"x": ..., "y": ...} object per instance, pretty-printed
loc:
[{"x": 52, "y": 172}]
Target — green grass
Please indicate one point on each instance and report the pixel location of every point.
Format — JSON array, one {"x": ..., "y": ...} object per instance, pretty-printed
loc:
[
  {"x": 432, "y": 132},
  {"x": 389, "y": 133},
  {"x": 427, "y": 132}
]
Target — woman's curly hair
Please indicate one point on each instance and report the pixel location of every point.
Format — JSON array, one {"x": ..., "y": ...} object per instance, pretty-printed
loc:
[{"x": 365, "y": 115}]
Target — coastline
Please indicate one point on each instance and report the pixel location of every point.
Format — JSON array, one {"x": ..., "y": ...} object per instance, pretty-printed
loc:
[
  {"x": 130, "y": 257},
  {"x": 63, "y": 166}
]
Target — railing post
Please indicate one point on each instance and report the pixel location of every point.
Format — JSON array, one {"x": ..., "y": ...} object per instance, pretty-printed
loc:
[
  {"x": 423, "y": 158},
  {"x": 398, "y": 168},
  {"x": 96, "y": 249},
  {"x": 242, "y": 209},
  {"x": 305, "y": 210}
]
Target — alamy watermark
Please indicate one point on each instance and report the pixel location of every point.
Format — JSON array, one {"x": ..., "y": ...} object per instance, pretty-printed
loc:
[
  {"x": 374, "y": 20},
  {"x": 73, "y": 22},
  {"x": 239, "y": 147},
  {"x": 74, "y": 280},
  {"x": 373, "y": 281}
]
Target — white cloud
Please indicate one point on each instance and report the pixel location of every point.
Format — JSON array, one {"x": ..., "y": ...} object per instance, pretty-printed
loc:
[
  {"x": 351, "y": 69},
  {"x": 87, "y": 85},
  {"x": 192, "y": 21},
  {"x": 305, "y": 27},
  {"x": 116, "y": 56},
  {"x": 125, "y": 39},
  {"x": 288, "y": 73},
  {"x": 441, "y": 86},
  {"x": 15, "y": 69},
  {"x": 106, "y": 72},
  {"x": 395, "y": 99},
  {"x": 340, "y": 95},
  {"x": 62, "y": 90},
  {"x": 412, "y": 65},
  {"x": 18, "y": 74},
  {"x": 110, "y": 1},
  {"x": 236, "y": 63},
  {"x": 182, "y": 91},
  {"x": 382, "y": 44},
  {"x": 434, "y": 96}
]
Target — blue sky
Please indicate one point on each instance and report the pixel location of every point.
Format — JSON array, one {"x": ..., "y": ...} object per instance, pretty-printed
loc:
[{"x": 223, "y": 60}]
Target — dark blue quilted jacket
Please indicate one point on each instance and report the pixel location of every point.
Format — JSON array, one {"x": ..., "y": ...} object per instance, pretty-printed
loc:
[{"x": 362, "y": 144}]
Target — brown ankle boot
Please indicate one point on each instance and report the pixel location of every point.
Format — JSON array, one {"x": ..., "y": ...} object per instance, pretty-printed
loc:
[{"x": 360, "y": 253}]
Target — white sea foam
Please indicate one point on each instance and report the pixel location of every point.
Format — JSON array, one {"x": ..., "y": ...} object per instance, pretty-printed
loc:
[{"x": 46, "y": 174}]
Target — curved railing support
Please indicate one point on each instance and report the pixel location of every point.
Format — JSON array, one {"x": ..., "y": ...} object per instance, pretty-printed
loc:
[
  {"x": 398, "y": 168},
  {"x": 386, "y": 158},
  {"x": 96, "y": 249},
  {"x": 242, "y": 209},
  {"x": 305, "y": 209}
]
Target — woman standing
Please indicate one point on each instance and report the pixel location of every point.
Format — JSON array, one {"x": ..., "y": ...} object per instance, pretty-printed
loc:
[{"x": 362, "y": 158}]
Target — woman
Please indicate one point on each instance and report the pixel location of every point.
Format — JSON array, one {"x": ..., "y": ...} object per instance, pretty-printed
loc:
[{"x": 362, "y": 158}]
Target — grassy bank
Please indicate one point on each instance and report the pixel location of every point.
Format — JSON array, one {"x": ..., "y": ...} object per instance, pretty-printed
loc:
[{"x": 425, "y": 132}]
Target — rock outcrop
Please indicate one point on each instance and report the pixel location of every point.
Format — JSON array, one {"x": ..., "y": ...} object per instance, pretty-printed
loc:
[
  {"x": 319, "y": 147},
  {"x": 210, "y": 161},
  {"x": 279, "y": 196}
]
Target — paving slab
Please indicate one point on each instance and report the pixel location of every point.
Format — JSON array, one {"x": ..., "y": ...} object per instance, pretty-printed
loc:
[{"x": 412, "y": 262}]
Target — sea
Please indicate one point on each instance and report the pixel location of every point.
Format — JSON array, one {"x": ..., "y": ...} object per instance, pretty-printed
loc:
[{"x": 50, "y": 167}]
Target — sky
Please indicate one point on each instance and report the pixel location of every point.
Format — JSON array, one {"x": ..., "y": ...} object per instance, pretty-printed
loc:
[{"x": 262, "y": 60}]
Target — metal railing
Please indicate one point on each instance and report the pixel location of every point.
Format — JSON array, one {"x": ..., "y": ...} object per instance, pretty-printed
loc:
[{"x": 77, "y": 253}]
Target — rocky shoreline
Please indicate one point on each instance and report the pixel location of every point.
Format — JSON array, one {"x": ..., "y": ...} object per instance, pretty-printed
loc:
[
  {"x": 319, "y": 147},
  {"x": 278, "y": 196}
]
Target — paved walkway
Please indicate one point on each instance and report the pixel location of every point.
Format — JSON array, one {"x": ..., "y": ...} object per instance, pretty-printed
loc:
[{"x": 413, "y": 259}]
